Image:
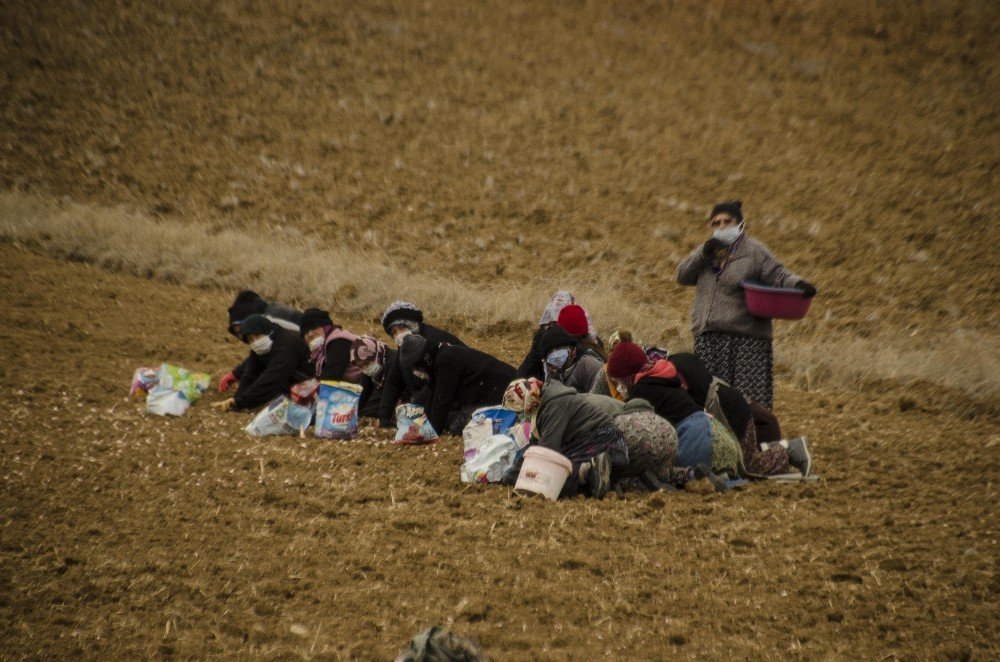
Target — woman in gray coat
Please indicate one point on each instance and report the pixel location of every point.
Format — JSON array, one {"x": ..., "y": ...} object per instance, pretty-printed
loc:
[
  {"x": 565, "y": 421},
  {"x": 734, "y": 345}
]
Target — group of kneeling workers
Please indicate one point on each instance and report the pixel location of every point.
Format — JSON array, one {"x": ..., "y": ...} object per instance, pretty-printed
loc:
[{"x": 624, "y": 415}]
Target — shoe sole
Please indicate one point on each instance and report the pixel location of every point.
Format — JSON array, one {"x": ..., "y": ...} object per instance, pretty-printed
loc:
[
  {"x": 809, "y": 460},
  {"x": 602, "y": 466}
]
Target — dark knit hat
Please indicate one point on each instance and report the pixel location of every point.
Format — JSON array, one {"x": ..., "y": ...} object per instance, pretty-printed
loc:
[
  {"x": 626, "y": 359},
  {"x": 555, "y": 337},
  {"x": 401, "y": 310},
  {"x": 733, "y": 207},
  {"x": 256, "y": 325},
  {"x": 246, "y": 304},
  {"x": 411, "y": 351},
  {"x": 573, "y": 318},
  {"x": 313, "y": 318}
]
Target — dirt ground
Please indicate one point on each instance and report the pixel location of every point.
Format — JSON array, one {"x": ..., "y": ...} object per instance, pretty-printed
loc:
[
  {"x": 497, "y": 143},
  {"x": 128, "y": 536},
  {"x": 492, "y": 137}
]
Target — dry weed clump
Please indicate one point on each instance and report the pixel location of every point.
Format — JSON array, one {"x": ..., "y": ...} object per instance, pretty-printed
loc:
[{"x": 284, "y": 264}]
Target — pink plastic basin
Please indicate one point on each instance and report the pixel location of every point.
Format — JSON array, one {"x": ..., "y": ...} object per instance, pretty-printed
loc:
[{"x": 775, "y": 302}]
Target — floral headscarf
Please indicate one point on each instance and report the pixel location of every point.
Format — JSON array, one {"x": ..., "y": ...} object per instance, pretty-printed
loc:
[
  {"x": 367, "y": 348},
  {"x": 523, "y": 395}
]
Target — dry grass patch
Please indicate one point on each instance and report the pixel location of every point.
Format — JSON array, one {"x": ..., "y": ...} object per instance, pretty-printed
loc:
[{"x": 285, "y": 265}]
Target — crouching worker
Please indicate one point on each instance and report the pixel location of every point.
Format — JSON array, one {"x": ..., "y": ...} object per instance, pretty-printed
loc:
[
  {"x": 567, "y": 361},
  {"x": 248, "y": 303},
  {"x": 459, "y": 380},
  {"x": 566, "y": 422},
  {"x": 729, "y": 406},
  {"x": 399, "y": 320},
  {"x": 371, "y": 357},
  {"x": 329, "y": 347},
  {"x": 702, "y": 441},
  {"x": 278, "y": 360}
]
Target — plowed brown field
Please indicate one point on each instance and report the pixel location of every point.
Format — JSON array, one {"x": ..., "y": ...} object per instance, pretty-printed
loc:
[{"x": 496, "y": 143}]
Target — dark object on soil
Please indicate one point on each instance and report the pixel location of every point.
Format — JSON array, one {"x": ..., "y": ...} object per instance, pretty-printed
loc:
[{"x": 439, "y": 645}]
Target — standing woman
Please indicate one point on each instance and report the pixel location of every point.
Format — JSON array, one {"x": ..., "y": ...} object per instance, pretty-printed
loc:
[{"x": 733, "y": 344}]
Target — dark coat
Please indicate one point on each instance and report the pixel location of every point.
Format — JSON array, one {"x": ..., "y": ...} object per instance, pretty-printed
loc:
[
  {"x": 270, "y": 375},
  {"x": 283, "y": 316},
  {"x": 463, "y": 377},
  {"x": 398, "y": 386},
  {"x": 699, "y": 380},
  {"x": 532, "y": 366},
  {"x": 338, "y": 360},
  {"x": 668, "y": 397}
]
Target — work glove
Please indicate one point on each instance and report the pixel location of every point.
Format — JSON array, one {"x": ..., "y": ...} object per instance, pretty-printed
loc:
[
  {"x": 228, "y": 382},
  {"x": 224, "y": 405},
  {"x": 712, "y": 246},
  {"x": 807, "y": 289}
]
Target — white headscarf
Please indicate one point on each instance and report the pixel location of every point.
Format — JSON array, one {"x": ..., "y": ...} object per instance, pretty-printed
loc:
[{"x": 560, "y": 300}]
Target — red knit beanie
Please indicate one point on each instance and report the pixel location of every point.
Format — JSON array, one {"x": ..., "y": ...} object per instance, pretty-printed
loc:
[
  {"x": 626, "y": 359},
  {"x": 573, "y": 320}
]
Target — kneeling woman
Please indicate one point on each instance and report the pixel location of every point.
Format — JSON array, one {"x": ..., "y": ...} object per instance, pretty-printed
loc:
[
  {"x": 330, "y": 346},
  {"x": 459, "y": 380},
  {"x": 566, "y": 422},
  {"x": 701, "y": 439},
  {"x": 372, "y": 358},
  {"x": 278, "y": 360},
  {"x": 729, "y": 406}
]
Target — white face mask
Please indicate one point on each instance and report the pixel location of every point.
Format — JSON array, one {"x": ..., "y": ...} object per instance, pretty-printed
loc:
[
  {"x": 402, "y": 334},
  {"x": 262, "y": 345},
  {"x": 372, "y": 369},
  {"x": 315, "y": 343},
  {"x": 557, "y": 359},
  {"x": 728, "y": 235}
]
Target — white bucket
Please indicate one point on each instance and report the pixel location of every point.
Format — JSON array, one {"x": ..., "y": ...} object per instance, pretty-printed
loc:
[{"x": 544, "y": 472}]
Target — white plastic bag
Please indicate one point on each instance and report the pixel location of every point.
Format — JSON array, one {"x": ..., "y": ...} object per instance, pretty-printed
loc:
[
  {"x": 337, "y": 410},
  {"x": 162, "y": 401},
  {"x": 489, "y": 460},
  {"x": 476, "y": 432},
  {"x": 280, "y": 417},
  {"x": 192, "y": 384}
]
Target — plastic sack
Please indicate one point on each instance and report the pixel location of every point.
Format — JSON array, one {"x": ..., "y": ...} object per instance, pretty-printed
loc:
[
  {"x": 521, "y": 433},
  {"x": 192, "y": 384},
  {"x": 162, "y": 401},
  {"x": 304, "y": 393},
  {"x": 337, "y": 410},
  {"x": 412, "y": 426},
  {"x": 501, "y": 418},
  {"x": 143, "y": 380},
  {"x": 280, "y": 417},
  {"x": 490, "y": 460}
]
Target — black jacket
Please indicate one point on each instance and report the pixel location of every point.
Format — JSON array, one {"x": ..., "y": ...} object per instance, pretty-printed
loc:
[
  {"x": 398, "y": 386},
  {"x": 699, "y": 379},
  {"x": 668, "y": 397},
  {"x": 532, "y": 366},
  {"x": 284, "y": 316},
  {"x": 338, "y": 360},
  {"x": 462, "y": 376},
  {"x": 273, "y": 374}
]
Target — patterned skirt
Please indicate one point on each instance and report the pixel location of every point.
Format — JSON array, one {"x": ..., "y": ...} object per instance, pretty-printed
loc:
[
  {"x": 746, "y": 363},
  {"x": 651, "y": 441},
  {"x": 762, "y": 463}
]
